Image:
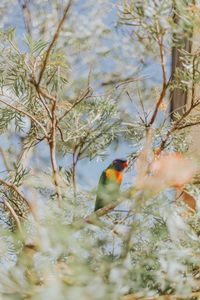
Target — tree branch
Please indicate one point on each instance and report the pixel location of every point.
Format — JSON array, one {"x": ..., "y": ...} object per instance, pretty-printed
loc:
[
  {"x": 93, "y": 218},
  {"x": 55, "y": 37},
  {"x": 26, "y": 114},
  {"x": 52, "y": 147},
  {"x": 87, "y": 93},
  {"x": 15, "y": 216},
  {"x": 176, "y": 125},
  {"x": 18, "y": 192},
  {"x": 164, "y": 85}
]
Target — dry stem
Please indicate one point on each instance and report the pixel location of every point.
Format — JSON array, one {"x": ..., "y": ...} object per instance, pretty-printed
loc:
[
  {"x": 15, "y": 216},
  {"x": 52, "y": 147},
  {"x": 18, "y": 192},
  {"x": 55, "y": 37},
  {"x": 164, "y": 85},
  {"x": 26, "y": 114}
]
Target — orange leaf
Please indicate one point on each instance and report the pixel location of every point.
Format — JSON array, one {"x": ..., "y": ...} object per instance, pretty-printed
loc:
[{"x": 189, "y": 200}]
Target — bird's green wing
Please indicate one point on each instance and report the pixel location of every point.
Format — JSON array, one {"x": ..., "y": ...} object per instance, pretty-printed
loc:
[
  {"x": 99, "y": 199},
  {"x": 107, "y": 191}
]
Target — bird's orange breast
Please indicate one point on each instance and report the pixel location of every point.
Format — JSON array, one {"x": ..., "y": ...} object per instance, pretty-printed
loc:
[{"x": 114, "y": 175}]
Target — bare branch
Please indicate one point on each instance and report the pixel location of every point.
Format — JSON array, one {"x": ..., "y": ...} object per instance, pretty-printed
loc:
[
  {"x": 123, "y": 81},
  {"x": 18, "y": 192},
  {"x": 55, "y": 37},
  {"x": 193, "y": 80},
  {"x": 42, "y": 91},
  {"x": 188, "y": 125},
  {"x": 176, "y": 126},
  {"x": 15, "y": 216},
  {"x": 87, "y": 94},
  {"x": 94, "y": 216},
  {"x": 52, "y": 147},
  {"x": 164, "y": 85}
]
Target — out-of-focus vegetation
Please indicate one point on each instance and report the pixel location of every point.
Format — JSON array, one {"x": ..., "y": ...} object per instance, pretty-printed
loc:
[{"x": 75, "y": 78}]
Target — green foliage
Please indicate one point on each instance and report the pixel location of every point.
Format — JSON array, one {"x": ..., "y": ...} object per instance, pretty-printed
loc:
[
  {"x": 94, "y": 124},
  {"x": 68, "y": 94}
]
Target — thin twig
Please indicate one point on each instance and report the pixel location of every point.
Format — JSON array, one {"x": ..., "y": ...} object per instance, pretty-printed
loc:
[
  {"x": 45, "y": 105},
  {"x": 33, "y": 144},
  {"x": 20, "y": 211},
  {"x": 87, "y": 94},
  {"x": 15, "y": 216},
  {"x": 55, "y": 37},
  {"x": 176, "y": 125},
  {"x": 108, "y": 208},
  {"x": 138, "y": 113},
  {"x": 18, "y": 192},
  {"x": 74, "y": 163},
  {"x": 52, "y": 147},
  {"x": 26, "y": 114},
  {"x": 193, "y": 80},
  {"x": 42, "y": 91},
  {"x": 130, "y": 80},
  {"x": 188, "y": 125},
  {"x": 164, "y": 85},
  {"x": 61, "y": 133}
]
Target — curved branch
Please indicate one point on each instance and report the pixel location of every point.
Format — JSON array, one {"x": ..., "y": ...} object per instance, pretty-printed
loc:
[
  {"x": 19, "y": 193},
  {"x": 55, "y": 37},
  {"x": 26, "y": 114},
  {"x": 15, "y": 216}
]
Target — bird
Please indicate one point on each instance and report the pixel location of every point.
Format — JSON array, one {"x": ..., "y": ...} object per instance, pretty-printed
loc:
[{"x": 109, "y": 183}]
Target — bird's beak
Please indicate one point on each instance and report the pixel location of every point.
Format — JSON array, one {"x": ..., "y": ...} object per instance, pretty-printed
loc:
[{"x": 125, "y": 164}]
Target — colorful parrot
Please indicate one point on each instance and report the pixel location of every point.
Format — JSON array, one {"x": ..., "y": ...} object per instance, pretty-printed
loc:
[{"x": 109, "y": 183}]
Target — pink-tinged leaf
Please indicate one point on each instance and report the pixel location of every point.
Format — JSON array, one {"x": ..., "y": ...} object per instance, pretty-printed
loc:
[{"x": 168, "y": 170}]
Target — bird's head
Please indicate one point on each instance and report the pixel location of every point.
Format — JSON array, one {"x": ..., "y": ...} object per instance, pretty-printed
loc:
[{"x": 119, "y": 164}]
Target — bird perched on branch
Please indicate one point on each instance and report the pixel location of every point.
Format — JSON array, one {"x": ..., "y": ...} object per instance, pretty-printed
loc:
[{"x": 109, "y": 183}]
